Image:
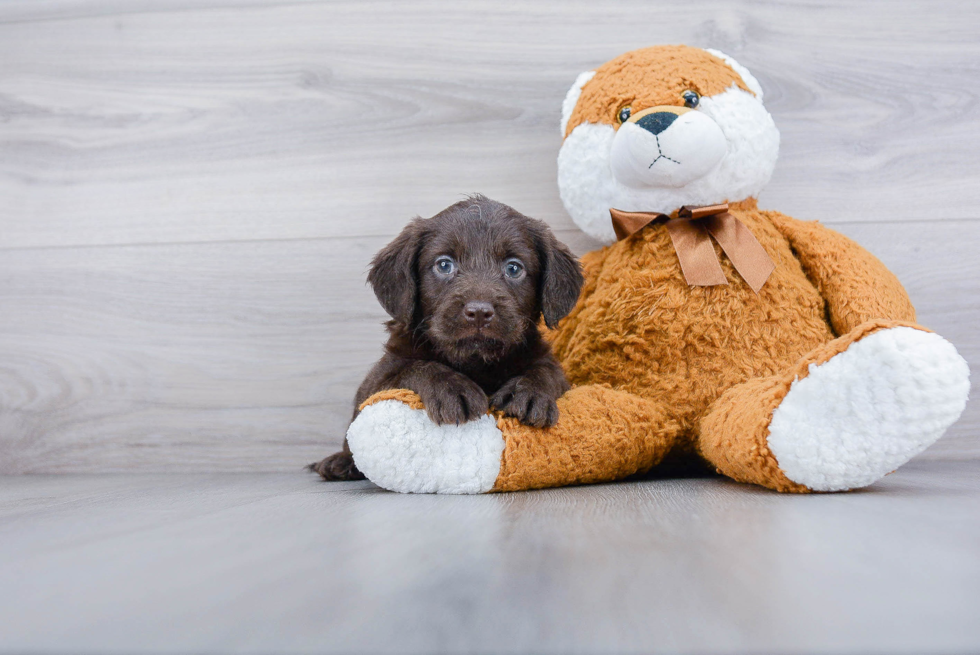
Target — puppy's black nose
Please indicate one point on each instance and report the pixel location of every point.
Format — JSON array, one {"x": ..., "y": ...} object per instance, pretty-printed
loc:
[
  {"x": 478, "y": 313},
  {"x": 657, "y": 122}
]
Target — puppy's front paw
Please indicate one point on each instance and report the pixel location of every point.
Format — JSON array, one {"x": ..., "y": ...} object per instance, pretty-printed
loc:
[
  {"x": 531, "y": 406},
  {"x": 457, "y": 399}
]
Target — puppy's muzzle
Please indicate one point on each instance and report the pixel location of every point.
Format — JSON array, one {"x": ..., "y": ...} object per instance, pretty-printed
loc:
[{"x": 666, "y": 146}]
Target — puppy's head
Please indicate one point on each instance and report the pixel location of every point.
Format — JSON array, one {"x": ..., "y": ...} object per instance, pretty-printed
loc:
[{"x": 475, "y": 278}]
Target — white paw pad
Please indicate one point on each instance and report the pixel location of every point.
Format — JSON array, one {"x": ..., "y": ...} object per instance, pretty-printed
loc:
[
  {"x": 869, "y": 409},
  {"x": 401, "y": 449}
]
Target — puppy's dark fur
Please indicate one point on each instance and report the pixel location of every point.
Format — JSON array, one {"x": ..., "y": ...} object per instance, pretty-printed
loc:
[{"x": 465, "y": 290}]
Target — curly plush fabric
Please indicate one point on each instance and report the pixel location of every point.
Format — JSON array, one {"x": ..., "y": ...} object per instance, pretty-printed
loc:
[
  {"x": 397, "y": 447},
  {"x": 857, "y": 285},
  {"x": 649, "y": 77},
  {"x": 733, "y": 435},
  {"x": 641, "y": 328},
  {"x": 868, "y": 410},
  {"x": 636, "y": 434}
]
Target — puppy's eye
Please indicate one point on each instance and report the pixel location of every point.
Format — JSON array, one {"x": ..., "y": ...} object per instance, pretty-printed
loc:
[
  {"x": 691, "y": 99},
  {"x": 624, "y": 113},
  {"x": 444, "y": 266},
  {"x": 514, "y": 269}
]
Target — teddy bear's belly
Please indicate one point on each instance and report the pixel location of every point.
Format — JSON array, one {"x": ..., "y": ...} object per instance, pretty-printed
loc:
[{"x": 644, "y": 330}]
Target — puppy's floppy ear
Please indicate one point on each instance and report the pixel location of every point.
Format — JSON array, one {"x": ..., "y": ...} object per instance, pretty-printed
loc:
[
  {"x": 560, "y": 279},
  {"x": 394, "y": 273}
]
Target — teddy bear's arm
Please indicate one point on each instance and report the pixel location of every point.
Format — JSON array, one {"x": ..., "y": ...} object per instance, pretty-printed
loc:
[{"x": 855, "y": 284}]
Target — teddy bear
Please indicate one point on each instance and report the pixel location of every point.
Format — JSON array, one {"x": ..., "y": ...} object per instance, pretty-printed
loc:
[{"x": 774, "y": 351}]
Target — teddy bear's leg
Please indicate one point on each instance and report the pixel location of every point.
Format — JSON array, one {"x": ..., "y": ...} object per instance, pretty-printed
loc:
[
  {"x": 602, "y": 434},
  {"x": 847, "y": 414}
]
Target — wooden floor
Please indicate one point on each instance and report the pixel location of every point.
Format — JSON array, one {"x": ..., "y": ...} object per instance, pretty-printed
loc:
[{"x": 282, "y": 563}]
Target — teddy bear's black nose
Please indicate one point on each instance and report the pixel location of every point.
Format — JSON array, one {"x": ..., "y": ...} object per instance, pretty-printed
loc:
[{"x": 657, "y": 122}]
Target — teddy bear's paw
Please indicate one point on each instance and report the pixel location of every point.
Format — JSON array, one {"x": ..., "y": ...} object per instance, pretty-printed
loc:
[
  {"x": 869, "y": 409},
  {"x": 399, "y": 448}
]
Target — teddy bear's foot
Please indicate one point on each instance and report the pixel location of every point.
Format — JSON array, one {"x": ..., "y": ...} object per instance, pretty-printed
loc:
[
  {"x": 846, "y": 415},
  {"x": 602, "y": 434},
  {"x": 868, "y": 410},
  {"x": 398, "y": 447}
]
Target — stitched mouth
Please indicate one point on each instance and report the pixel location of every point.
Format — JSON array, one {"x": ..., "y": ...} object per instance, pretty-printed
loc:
[{"x": 660, "y": 154}]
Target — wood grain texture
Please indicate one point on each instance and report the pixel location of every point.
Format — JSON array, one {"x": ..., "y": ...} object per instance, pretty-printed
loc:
[
  {"x": 282, "y": 563},
  {"x": 159, "y": 121},
  {"x": 192, "y": 190}
]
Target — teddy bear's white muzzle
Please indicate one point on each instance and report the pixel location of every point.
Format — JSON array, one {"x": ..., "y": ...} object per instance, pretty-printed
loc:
[{"x": 671, "y": 155}]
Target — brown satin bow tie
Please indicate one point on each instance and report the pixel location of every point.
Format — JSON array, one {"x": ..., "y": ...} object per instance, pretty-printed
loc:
[{"x": 689, "y": 233}]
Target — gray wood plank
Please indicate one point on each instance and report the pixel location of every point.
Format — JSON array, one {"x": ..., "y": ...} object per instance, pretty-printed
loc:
[
  {"x": 175, "y": 121},
  {"x": 234, "y": 356},
  {"x": 282, "y": 563},
  {"x": 245, "y": 355}
]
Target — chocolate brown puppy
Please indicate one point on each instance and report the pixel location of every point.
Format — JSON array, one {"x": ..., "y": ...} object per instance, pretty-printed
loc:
[{"x": 465, "y": 290}]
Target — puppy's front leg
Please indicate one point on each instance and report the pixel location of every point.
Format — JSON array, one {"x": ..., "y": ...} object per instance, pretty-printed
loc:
[
  {"x": 530, "y": 397},
  {"x": 448, "y": 395}
]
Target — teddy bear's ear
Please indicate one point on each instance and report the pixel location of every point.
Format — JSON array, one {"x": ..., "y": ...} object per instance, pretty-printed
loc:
[
  {"x": 743, "y": 72},
  {"x": 571, "y": 98}
]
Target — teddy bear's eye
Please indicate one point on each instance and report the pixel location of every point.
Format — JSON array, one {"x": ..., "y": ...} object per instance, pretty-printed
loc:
[
  {"x": 691, "y": 99},
  {"x": 624, "y": 113}
]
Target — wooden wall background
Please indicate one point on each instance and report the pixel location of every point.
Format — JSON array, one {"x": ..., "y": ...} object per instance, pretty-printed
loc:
[{"x": 190, "y": 191}]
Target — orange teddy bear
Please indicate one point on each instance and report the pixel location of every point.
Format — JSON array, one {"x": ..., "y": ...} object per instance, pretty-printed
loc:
[{"x": 777, "y": 351}]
